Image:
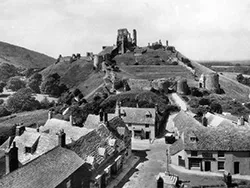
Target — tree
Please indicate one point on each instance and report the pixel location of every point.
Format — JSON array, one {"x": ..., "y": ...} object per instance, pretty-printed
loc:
[
  {"x": 7, "y": 71},
  {"x": 4, "y": 111},
  {"x": 51, "y": 85},
  {"x": 45, "y": 104},
  {"x": 22, "y": 100},
  {"x": 15, "y": 83},
  {"x": 35, "y": 82},
  {"x": 2, "y": 85},
  {"x": 216, "y": 107}
]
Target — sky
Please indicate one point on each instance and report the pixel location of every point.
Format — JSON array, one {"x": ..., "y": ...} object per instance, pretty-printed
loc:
[{"x": 199, "y": 29}]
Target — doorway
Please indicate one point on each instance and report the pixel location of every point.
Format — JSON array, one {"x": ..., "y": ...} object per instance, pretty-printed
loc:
[
  {"x": 207, "y": 166},
  {"x": 147, "y": 134},
  {"x": 236, "y": 167}
]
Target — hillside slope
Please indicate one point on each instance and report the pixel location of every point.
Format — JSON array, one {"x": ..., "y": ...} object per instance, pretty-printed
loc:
[
  {"x": 22, "y": 57},
  {"x": 231, "y": 87}
]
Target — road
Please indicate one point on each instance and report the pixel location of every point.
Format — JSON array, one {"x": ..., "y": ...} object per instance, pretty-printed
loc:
[{"x": 179, "y": 101}]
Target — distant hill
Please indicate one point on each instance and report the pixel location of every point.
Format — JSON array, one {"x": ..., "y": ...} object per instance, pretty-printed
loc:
[{"x": 22, "y": 57}]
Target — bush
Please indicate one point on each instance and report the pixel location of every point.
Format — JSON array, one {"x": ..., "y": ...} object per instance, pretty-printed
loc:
[
  {"x": 4, "y": 111},
  {"x": 22, "y": 100},
  {"x": 216, "y": 107},
  {"x": 45, "y": 104},
  {"x": 204, "y": 101},
  {"x": 2, "y": 85},
  {"x": 196, "y": 92},
  {"x": 1, "y": 101},
  {"x": 15, "y": 83}
]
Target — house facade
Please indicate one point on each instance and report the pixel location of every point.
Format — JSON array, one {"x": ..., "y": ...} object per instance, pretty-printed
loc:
[
  {"x": 214, "y": 149},
  {"x": 105, "y": 150},
  {"x": 140, "y": 121}
]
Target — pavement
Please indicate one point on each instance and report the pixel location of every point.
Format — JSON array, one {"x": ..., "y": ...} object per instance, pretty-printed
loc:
[
  {"x": 130, "y": 164},
  {"x": 153, "y": 162}
]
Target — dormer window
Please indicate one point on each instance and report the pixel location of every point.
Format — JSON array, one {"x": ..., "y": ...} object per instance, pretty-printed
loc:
[
  {"x": 148, "y": 114},
  {"x": 28, "y": 150},
  {"x": 193, "y": 138}
]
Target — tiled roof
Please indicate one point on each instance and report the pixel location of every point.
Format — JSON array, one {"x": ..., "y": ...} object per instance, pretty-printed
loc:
[
  {"x": 117, "y": 125},
  {"x": 42, "y": 143},
  {"x": 47, "y": 171},
  {"x": 93, "y": 120},
  {"x": 73, "y": 133},
  {"x": 218, "y": 139},
  {"x": 183, "y": 121},
  {"x": 176, "y": 147},
  {"x": 88, "y": 144},
  {"x": 138, "y": 115}
]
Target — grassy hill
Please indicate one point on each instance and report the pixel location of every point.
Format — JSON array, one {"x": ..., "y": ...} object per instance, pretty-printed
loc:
[
  {"x": 22, "y": 57},
  {"x": 231, "y": 87}
]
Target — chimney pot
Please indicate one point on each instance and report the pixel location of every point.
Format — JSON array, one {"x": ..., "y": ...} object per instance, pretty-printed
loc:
[
  {"x": 61, "y": 138},
  {"x": 11, "y": 159},
  {"x": 101, "y": 115}
]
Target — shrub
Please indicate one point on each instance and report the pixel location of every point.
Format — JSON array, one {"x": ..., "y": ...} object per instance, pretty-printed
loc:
[
  {"x": 45, "y": 104},
  {"x": 195, "y": 92},
  {"x": 2, "y": 85},
  {"x": 216, "y": 107},
  {"x": 204, "y": 101},
  {"x": 7, "y": 71},
  {"x": 15, "y": 83}
]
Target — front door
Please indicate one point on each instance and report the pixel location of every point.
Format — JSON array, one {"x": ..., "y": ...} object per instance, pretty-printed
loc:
[
  {"x": 147, "y": 134},
  {"x": 207, "y": 166},
  {"x": 236, "y": 167}
]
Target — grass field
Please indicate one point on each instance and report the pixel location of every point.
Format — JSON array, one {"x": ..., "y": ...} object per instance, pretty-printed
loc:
[
  {"x": 7, "y": 124},
  {"x": 158, "y": 71}
]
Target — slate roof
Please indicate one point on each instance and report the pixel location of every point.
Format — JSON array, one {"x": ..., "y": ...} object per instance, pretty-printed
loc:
[
  {"x": 47, "y": 171},
  {"x": 183, "y": 121},
  {"x": 215, "y": 120},
  {"x": 42, "y": 142},
  {"x": 218, "y": 139},
  {"x": 118, "y": 127},
  {"x": 138, "y": 115},
  {"x": 93, "y": 120},
  {"x": 88, "y": 144},
  {"x": 73, "y": 133}
]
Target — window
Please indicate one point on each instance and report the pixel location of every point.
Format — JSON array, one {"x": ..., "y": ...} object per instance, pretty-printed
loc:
[
  {"x": 194, "y": 153},
  {"x": 207, "y": 155},
  {"x": 193, "y": 139},
  {"x": 129, "y": 124},
  {"x": 28, "y": 150},
  {"x": 221, "y": 154},
  {"x": 220, "y": 165},
  {"x": 146, "y": 125}
]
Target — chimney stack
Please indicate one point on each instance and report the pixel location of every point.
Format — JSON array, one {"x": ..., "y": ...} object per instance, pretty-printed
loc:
[
  {"x": 61, "y": 138},
  {"x": 101, "y": 115},
  {"x": 11, "y": 159},
  {"x": 71, "y": 120},
  {"x": 166, "y": 43},
  {"x": 19, "y": 130},
  {"x": 37, "y": 127},
  {"x": 119, "y": 108},
  {"x": 50, "y": 114},
  {"x": 240, "y": 121},
  {"x": 105, "y": 117},
  {"x": 204, "y": 121}
]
